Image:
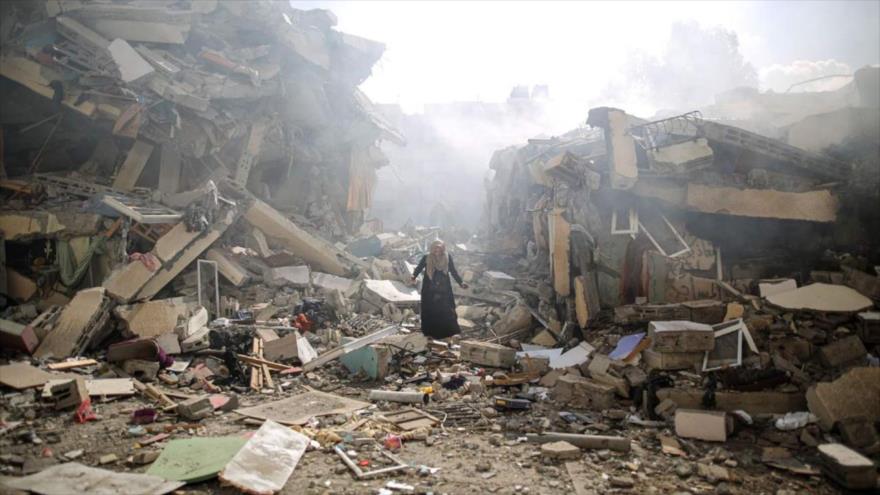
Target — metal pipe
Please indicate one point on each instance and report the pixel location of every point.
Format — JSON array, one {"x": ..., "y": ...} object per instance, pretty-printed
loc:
[{"x": 405, "y": 397}]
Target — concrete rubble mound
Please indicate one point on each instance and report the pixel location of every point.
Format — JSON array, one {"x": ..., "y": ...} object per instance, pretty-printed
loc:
[{"x": 194, "y": 295}]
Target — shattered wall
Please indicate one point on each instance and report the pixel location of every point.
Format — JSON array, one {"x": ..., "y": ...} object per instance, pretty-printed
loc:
[{"x": 661, "y": 211}]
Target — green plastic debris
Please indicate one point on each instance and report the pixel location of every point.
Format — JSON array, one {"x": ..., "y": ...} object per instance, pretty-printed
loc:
[{"x": 195, "y": 459}]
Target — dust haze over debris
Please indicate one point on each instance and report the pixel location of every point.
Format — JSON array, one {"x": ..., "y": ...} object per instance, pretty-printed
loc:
[{"x": 587, "y": 54}]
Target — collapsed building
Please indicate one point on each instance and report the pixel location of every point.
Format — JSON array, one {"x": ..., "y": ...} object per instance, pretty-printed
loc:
[
  {"x": 122, "y": 120},
  {"x": 662, "y": 211}
]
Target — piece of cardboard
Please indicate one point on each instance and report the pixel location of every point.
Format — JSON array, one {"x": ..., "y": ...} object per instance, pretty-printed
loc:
[{"x": 266, "y": 461}]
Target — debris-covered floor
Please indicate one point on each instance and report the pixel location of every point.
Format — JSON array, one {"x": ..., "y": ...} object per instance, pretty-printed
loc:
[{"x": 195, "y": 298}]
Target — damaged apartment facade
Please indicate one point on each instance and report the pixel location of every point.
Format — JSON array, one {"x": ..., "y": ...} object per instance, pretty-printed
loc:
[
  {"x": 140, "y": 136},
  {"x": 644, "y": 216}
]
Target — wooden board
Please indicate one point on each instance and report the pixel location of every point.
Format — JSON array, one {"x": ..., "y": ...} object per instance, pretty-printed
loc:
[{"x": 410, "y": 419}]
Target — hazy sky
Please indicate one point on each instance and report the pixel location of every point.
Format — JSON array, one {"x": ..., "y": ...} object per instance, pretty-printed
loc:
[{"x": 453, "y": 51}]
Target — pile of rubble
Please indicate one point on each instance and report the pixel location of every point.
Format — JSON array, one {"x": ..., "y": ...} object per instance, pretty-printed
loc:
[{"x": 174, "y": 317}]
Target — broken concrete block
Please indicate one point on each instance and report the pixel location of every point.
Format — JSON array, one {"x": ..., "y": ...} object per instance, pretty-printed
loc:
[
  {"x": 847, "y": 467},
  {"x": 869, "y": 327},
  {"x": 19, "y": 287},
  {"x": 750, "y": 402},
  {"x": 381, "y": 292},
  {"x": 197, "y": 341},
  {"x": 80, "y": 322},
  {"x": 620, "y": 145},
  {"x": 855, "y": 394},
  {"x": 544, "y": 338},
  {"x": 195, "y": 409},
  {"x": 680, "y": 336},
  {"x": 281, "y": 349},
  {"x": 69, "y": 394},
  {"x": 560, "y": 450},
  {"x": 169, "y": 343},
  {"x": 151, "y": 318},
  {"x": 711, "y": 426},
  {"x": 666, "y": 409},
  {"x": 709, "y": 311},
  {"x": 328, "y": 282},
  {"x": 313, "y": 250},
  {"x": 672, "y": 360},
  {"x": 17, "y": 336},
  {"x": 488, "y": 354},
  {"x": 471, "y": 312},
  {"x": 821, "y": 297},
  {"x": 775, "y": 286},
  {"x": 514, "y": 320},
  {"x": 295, "y": 276},
  {"x": 846, "y": 350},
  {"x": 859, "y": 432},
  {"x": 576, "y": 391},
  {"x": 499, "y": 280},
  {"x": 140, "y": 369}
]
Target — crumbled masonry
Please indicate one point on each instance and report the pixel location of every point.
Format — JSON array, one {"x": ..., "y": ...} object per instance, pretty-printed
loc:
[{"x": 194, "y": 294}]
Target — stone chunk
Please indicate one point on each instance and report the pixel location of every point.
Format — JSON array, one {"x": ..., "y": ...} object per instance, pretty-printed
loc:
[
  {"x": 560, "y": 450},
  {"x": 681, "y": 336},
  {"x": 847, "y": 467},
  {"x": 711, "y": 426},
  {"x": 846, "y": 350},
  {"x": 195, "y": 409}
]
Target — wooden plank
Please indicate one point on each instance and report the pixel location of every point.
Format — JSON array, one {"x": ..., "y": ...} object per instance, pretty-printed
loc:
[
  {"x": 66, "y": 365},
  {"x": 255, "y": 361},
  {"x": 133, "y": 165}
]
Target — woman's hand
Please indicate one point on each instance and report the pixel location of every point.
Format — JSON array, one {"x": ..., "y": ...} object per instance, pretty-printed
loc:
[{"x": 412, "y": 281}]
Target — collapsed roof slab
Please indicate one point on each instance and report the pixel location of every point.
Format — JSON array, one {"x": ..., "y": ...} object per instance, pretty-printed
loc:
[
  {"x": 814, "y": 206},
  {"x": 813, "y": 163},
  {"x": 318, "y": 252},
  {"x": 175, "y": 250}
]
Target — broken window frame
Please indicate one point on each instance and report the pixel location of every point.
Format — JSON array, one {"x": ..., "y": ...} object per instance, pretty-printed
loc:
[
  {"x": 199, "y": 264},
  {"x": 633, "y": 229},
  {"x": 727, "y": 328},
  {"x": 678, "y": 236}
]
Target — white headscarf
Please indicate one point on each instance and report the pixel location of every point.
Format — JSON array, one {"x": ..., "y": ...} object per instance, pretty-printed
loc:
[{"x": 437, "y": 262}]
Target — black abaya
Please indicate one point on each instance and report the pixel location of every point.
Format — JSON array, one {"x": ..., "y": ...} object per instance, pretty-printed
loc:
[{"x": 439, "y": 320}]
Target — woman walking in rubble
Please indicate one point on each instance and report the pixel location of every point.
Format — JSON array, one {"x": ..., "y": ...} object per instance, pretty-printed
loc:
[{"x": 439, "y": 320}]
